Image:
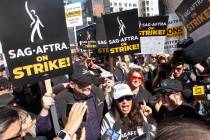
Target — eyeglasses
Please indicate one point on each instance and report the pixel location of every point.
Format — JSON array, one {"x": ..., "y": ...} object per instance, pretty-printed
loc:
[
  {"x": 128, "y": 98},
  {"x": 136, "y": 77}
]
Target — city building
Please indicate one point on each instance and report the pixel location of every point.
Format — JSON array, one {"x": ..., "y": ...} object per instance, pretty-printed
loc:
[
  {"x": 148, "y": 8},
  {"x": 168, "y": 6},
  {"x": 122, "y": 5}
]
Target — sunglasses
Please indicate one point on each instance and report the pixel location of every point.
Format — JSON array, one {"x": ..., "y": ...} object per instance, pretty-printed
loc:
[
  {"x": 128, "y": 98},
  {"x": 136, "y": 77},
  {"x": 178, "y": 69}
]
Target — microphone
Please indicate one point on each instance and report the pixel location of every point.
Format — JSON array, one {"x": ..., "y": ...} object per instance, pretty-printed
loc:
[{"x": 110, "y": 134}]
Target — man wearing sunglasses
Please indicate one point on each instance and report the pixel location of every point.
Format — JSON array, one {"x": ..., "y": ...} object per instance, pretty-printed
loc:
[{"x": 173, "y": 105}]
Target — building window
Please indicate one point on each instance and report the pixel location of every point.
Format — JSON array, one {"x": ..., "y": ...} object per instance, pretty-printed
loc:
[
  {"x": 147, "y": 3},
  {"x": 126, "y": 4},
  {"x": 111, "y": 9},
  {"x": 120, "y": 9},
  {"x": 130, "y": 4},
  {"x": 147, "y": 9},
  {"x": 134, "y": 5},
  {"x": 115, "y": 4},
  {"x": 148, "y": 14},
  {"x": 120, "y": 4},
  {"x": 110, "y": 3},
  {"x": 143, "y": 4}
]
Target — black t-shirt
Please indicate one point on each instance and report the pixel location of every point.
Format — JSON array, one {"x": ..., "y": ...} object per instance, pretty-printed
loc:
[
  {"x": 128, "y": 133},
  {"x": 183, "y": 111}
]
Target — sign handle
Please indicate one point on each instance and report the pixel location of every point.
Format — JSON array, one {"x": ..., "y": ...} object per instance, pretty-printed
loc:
[
  {"x": 53, "y": 111},
  {"x": 111, "y": 64}
]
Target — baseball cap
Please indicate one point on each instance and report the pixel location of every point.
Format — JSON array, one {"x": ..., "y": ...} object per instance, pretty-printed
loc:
[
  {"x": 169, "y": 85},
  {"x": 106, "y": 74},
  {"x": 121, "y": 90},
  {"x": 81, "y": 75}
]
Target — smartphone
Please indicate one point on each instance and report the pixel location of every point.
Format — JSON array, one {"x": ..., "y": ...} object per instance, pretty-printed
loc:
[{"x": 68, "y": 109}]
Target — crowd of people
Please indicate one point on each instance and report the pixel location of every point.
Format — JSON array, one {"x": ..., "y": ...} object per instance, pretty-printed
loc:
[{"x": 140, "y": 97}]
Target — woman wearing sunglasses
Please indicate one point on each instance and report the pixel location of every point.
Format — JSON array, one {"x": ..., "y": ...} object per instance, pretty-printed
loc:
[
  {"x": 124, "y": 119},
  {"x": 136, "y": 83}
]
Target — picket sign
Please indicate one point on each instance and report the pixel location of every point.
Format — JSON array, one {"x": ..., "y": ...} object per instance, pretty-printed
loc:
[{"x": 53, "y": 111}]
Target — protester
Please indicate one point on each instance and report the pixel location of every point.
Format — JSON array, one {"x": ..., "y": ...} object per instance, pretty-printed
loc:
[
  {"x": 177, "y": 70},
  {"x": 188, "y": 78},
  {"x": 136, "y": 83},
  {"x": 125, "y": 117},
  {"x": 29, "y": 96},
  {"x": 10, "y": 123},
  {"x": 153, "y": 61},
  {"x": 120, "y": 72},
  {"x": 171, "y": 102},
  {"x": 141, "y": 62},
  {"x": 81, "y": 89},
  {"x": 107, "y": 87},
  {"x": 33, "y": 125},
  {"x": 163, "y": 72},
  {"x": 12, "y": 126},
  {"x": 149, "y": 77},
  {"x": 163, "y": 58}
]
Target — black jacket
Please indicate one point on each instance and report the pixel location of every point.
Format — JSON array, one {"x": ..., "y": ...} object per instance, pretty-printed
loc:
[
  {"x": 66, "y": 96},
  {"x": 183, "y": 111}
]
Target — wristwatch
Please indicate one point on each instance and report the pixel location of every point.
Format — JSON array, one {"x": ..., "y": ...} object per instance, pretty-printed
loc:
[{"x": 62, "y": 135}]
